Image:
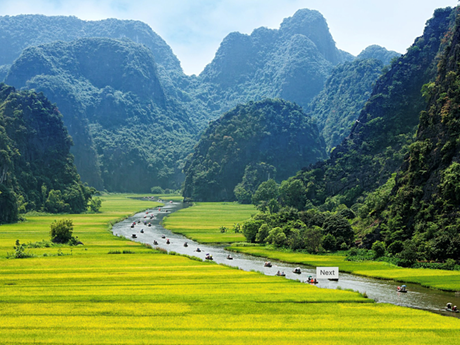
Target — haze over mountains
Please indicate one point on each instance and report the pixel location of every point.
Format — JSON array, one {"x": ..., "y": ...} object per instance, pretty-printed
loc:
[{"x": 126, "y": 101}]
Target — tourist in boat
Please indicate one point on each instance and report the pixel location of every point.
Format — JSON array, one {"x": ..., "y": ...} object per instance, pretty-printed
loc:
[
  {"x": 167, "y": 241},
  {"x": 142, "y": 231},
  {"x": 155, "y": 242},
  {"x": 454, "y": 308}
]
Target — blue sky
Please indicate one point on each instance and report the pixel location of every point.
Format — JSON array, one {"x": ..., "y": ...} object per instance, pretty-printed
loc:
[{"x": 195, "y": 28}]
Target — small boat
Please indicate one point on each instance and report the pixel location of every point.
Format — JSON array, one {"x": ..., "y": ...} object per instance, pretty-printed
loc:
[
  {"x": 155, "y": 242},
  {"x": 147, "y": 212},
  {"x": 229, "y": 257},
  {"x": 150, "y": 224},
  {"x": 280, "y": 274},
  {"x": 142, "y": 231},
  {"x": 297, "y": 270},
  {"x": 198, "y": 250},
  {"x": 132, "y": 226},
  {"x": 451, "y": 310},
  {"x": 401, "y": 288},
  {"x": 185, "y": 244},
  {"x": 133, "y": 236},
  {"x": 167, "y": 241},
  {"x": 163, "y": 236},
  {"x": 333, "y": 279},
  {"x": 267, "y": 264},
  {"x": 208, "y": 257},
  {"x": 170, "y": 201},
  {"x": 311, "y": 280},
  {"x": 138, "y": 221}
]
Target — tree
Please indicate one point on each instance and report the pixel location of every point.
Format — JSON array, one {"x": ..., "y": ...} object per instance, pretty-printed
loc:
[
  {"x": 379, "y": 249},
  {"x": 329, "y": 242},
  {"x": 267, "y": 190},
  {"x": 251, "y": 228},
  {"x": 338, "y": 226},
  {"x": 276, "y": 236},
  {"x": 95, "y": 204},
  {"x": 312, "y": 238},
  {"x": 262, "y": 234},
  {"x": 293, "y": 193},
  {"x": 61, "y": 230},
  {"x": 55, "y": 203}
]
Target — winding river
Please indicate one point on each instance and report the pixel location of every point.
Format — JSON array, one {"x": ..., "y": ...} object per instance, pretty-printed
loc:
[{"x": 383, "y": 291}]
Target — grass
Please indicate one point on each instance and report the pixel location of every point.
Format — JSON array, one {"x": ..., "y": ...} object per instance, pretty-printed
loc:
[
  {"x": 439, "y": 279},
  {"x": 148, "y": 297},
  {"x": 203, "y": 221}
]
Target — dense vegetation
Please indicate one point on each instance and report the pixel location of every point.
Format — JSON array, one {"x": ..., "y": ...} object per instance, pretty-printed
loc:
[
  {"x": 248, "y": 145},
  {"x": 337, "y": 106},
  {"x": 380, "y": 53},
  {"x": 128, "y": 135},
  {"x": 355, "y": 197},
  {"x": 421, "y": 215},
  {"x": 380, "y": 137},
  {"x": 36, "y": 167}
]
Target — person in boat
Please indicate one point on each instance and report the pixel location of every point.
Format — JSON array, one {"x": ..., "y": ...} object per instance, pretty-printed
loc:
[
  {"x": 449, "y": 305},
  {"x": 454, "y": 308},
  {"x": 278, "y": 273},
  {"x": 155, "y": 242},
  {"x": 142, "y": 231},
  {"x": 198, "y": 250},
  {"x": 167, "y": 241}
]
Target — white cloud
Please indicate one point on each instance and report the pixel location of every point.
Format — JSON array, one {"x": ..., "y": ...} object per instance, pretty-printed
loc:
[{"x": 195, "y": 28}]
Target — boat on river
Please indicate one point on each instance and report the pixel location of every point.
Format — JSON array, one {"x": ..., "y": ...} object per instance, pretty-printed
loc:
[
  {"x": 208, "y": 257},
  {"x": 155, "y": 242},
  {"x": 401, "y": 288},
  {"x": 229, "y": 257},
  {"x": 185, "y": 244},
  {"x": 297, "y": 270},
  {"x": 280, "y": 274},
  {"x": 267, "y": 264}
]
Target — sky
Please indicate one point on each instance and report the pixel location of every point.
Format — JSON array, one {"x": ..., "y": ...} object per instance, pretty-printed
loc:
[{"x": 195, "y": 28}]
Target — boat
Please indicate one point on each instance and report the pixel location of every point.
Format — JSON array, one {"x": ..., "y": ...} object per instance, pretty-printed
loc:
[
  {"x": 297, "y": 270},
  {"x": 142, "y": 231},
  {"x": 401, "y": 288},
  {"x": 185, "y": 244},
  {"x": 155, "y": 242},
  {"x": 150, "y": 224},
  {"x": 163, "y": 236},
  {"x": 133, "y": 236},
  {"x": 167, "y": 241},
  {"x": 229, "y": 257},
  {"x": 198, "y": 250},
  {"x": 280, "y": 274},
  {"x": 333, "y": 279},
  {"x": 267, "y": 264},
  {"x": 451, "y": 310},
  {"x": 208, "y": 257}
]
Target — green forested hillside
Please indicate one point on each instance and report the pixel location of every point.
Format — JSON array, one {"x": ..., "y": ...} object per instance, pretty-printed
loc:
[
  {"x": 290, "y": 63},
  {"x": 36, "y": 167},
  {"x": 380, "y": 137},
  {"x": 248, "y": 145},
  {"x": 128, "y": 135},
  {"x": 338, "y": 105},
  {"x": 421, "y": 212}
]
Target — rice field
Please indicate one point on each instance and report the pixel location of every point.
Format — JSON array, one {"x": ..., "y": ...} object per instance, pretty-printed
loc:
[
  {"x": 92, "y": 297},
  {"x": 202, "y": 221}
]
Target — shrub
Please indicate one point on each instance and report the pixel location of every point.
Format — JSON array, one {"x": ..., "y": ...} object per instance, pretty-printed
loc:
[
  {"x": 329, "y": 242},
  {"x": 61, "y": 231},
  {"x": 379, "y": 249}
]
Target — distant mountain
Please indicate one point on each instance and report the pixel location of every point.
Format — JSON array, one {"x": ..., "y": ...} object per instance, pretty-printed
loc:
[
  {"x": 23, "y": 31},
  {"x": 36, "y": 167},
  {"x": 129, "y": 136},
  {"x": 261, "y": 139},
  {"x": 380, "y": 137},
  {"x": 379, "y": 53},
  {"x": 290, "y": 63},
  {"x": 346, "y": 90}
]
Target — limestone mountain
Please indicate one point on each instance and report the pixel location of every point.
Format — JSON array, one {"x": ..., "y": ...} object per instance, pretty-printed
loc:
[
  {"x": 265, "y": 139},
  {"x": 290, "y": 63},
  {"x": 36, "y": 167},
  {"x": 379, "y": 53},
  {"x": 129, "y": 136},
  {"x": 422, "y": 211},
  {"x": 380, "y": 137}
]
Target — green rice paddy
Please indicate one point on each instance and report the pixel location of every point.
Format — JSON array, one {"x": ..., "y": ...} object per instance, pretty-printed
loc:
[
  {"x": 92, "y": 297},
  {"x": 202, "y": 221}
]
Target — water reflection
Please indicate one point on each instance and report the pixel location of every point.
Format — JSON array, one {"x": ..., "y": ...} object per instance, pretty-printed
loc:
[{"x": 383, "y": 291}]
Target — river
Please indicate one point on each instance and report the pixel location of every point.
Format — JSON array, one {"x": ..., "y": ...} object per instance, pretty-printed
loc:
[{"x": 382, "y": 291}]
